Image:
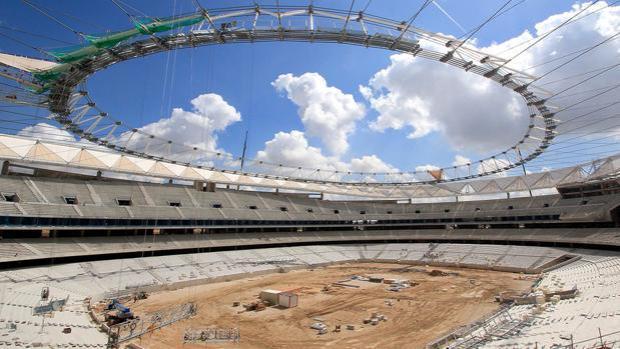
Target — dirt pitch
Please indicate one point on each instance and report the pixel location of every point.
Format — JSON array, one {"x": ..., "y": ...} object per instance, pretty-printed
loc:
[{"x": 417, "y": 314}]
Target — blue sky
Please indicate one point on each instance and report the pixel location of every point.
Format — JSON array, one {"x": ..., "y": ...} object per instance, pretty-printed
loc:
[{"x": 145, "y": 90}]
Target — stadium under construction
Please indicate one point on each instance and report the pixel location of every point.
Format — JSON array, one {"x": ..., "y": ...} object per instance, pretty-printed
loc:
[{"x": 121, "y": 238}]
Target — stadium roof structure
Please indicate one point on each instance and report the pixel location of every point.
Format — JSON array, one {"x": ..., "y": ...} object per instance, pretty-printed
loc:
[
  {"x": 59, "y": 80},
  {"x": 97, "y": 158},
  {"x": 58, "y": 87}
]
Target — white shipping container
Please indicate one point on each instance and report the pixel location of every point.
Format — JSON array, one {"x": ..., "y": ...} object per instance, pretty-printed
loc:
[
  {"x": 270, "y": 296},
  {"x": 288, "y": 300}
]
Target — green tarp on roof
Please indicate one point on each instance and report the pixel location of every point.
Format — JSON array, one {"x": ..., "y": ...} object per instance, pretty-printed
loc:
[
  {"x": 99, "y": 43},
  {"x": 150, "y": 26}
]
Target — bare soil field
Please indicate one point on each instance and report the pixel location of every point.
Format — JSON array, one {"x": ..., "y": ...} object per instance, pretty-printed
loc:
[{"x": 415, "y": 315}]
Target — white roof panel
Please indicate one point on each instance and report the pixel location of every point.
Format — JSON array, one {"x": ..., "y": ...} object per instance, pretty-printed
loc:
[{"x": 25, "y": 63}]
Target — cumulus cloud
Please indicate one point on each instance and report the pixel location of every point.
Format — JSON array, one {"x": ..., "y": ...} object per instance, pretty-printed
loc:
[
  {"x": 460, "y": 160},
  {"x": 199, "y": 127},
  {"x": 292, "y": 149},
  {"x": 595, "y": 25},
  {"x": 325, "y": 111},
  {"x": 427, "y": 167},
  {"x": 428, "y": 172},
  {"x": 46, "y": 131},
  {"x": 371, "y": 163},
  {"x": 423, "y": 97},
  {"x": 475, "y": 114},
  {"x": 374, "y": 165}
]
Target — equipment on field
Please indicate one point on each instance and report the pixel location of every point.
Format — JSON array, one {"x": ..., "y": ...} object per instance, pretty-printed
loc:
[{"x": 117, "y": 313}]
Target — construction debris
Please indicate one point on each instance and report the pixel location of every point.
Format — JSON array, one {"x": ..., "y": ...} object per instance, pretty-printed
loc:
[
  {"x": 375, "y": 318},
  {"x": 140, "y": 295},
  {"x": 537, "y": 297},
  {"x": 398, "y": 285},
  {"x": 319, "y": 326},
  {"x": 342, "y": 284},
  {"x": 255, "y": 306}
]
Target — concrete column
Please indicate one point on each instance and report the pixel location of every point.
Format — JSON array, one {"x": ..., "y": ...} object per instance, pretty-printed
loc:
[
  {"x": 210, "y": 187},
  {"x": 5, "y": 167},
  {"x": 199, "y": 185}
]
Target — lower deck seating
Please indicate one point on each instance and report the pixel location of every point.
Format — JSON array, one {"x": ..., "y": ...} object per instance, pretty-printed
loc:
[{"x": 596, "y": 275}]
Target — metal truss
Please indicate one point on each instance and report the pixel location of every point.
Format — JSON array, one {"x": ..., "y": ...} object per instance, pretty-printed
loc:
[{"x": 76, "y": 112}]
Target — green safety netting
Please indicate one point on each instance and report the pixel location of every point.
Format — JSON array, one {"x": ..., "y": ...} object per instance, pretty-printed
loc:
[
  {"x": 75, "y": 53},
  {"x": 150, "y": 25},
  {"x": 108, "y": 40},
  {"x": 99, "y": 43},
  {"x": 48, "y": 75}
]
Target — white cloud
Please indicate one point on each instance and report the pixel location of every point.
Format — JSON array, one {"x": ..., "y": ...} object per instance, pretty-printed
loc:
[
  {"x": 423, "y": 97},
  {"x": 371, "y": 163},
  {"x": 46, "y": 131},
  {"x": 425, "y": 172},
  {"x": 198, "y": 127},
  {"x": 426, "y": 167},
  {"x": 460, "y": 160},
  {"x": 595, "y": 25},
  {"x": 374, "y": 164},
  {"x": 326, "y": 112},
  {"x": 475, "y": 114},
  {"x": 292, "y": 149}
]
